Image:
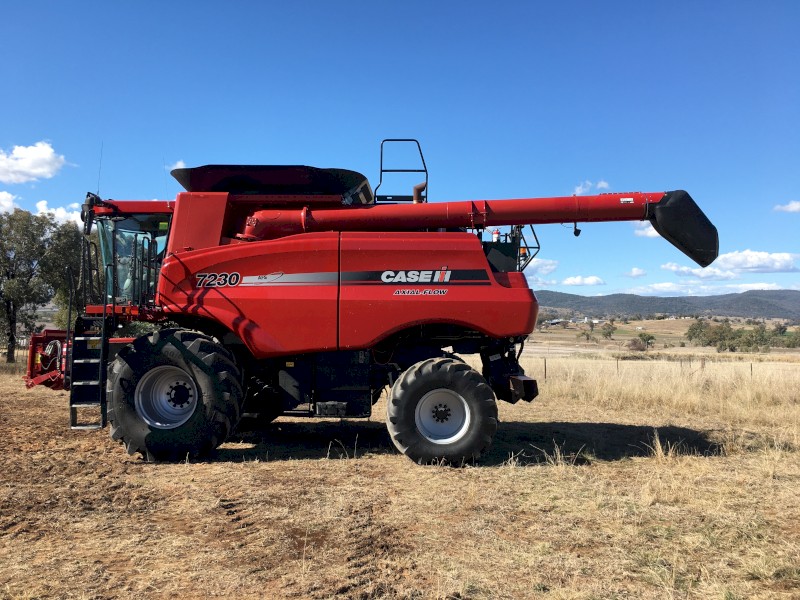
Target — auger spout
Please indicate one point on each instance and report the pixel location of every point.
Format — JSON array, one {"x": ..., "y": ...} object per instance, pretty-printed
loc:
[{"x": 674, "y": 215}]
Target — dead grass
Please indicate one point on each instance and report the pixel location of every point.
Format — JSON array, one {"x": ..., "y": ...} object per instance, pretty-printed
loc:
[
  {"x": 745, "y": 400},
  {"x": 654, "y": 482}
]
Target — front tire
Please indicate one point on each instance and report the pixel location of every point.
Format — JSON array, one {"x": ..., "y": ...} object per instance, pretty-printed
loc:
[
  {"x": 441, "y": 409},
  {"x": 172, "y": 395}
]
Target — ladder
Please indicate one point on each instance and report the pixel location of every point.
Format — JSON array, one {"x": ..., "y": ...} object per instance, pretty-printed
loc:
[{"x": 87, "y": 373}]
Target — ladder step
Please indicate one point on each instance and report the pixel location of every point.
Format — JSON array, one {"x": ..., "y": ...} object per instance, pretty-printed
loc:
[
  {"x": 87, "y": 427},
  {"x": 88, "y": 337},
  {"x": 86, "y": 360},
  {"x": 95, "y": 383},
  {"x": 85, "y": 404}
]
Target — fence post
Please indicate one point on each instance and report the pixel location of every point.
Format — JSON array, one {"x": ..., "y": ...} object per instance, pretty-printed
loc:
[{"x": 545, "y": 368}]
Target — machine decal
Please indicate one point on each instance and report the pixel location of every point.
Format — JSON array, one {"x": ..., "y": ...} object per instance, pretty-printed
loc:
[
  {"x": 442, "y": 276},
  {"x": 418, "y": 292},
  {"x": 218, "y": 279},
  {"x": 280, "y": 278}
]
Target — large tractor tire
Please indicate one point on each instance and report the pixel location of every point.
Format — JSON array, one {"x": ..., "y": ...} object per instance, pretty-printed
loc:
[
  {"x": 172, "y": 395},
  {"x": 441, "y": 409}
]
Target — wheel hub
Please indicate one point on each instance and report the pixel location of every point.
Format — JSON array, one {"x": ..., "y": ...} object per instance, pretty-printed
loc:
[
  {"x": 166, "y": 397},
  {"x": 179, "y": 395},
  {"x": 441, "y": 413},
  {"x": 442, "y": 416}
]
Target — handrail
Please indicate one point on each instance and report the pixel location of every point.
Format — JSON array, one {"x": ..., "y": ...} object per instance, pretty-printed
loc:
[
  {"x": 66, "y": 358},
  {"x": 417, "y": 196}
]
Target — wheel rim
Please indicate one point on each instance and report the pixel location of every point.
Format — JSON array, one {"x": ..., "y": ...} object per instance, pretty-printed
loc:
[
  {"x": 442, "y": 416},
  {"x": 166, "y": 397}
]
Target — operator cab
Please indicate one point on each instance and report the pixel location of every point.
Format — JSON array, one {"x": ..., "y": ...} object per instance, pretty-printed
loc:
[
  {"x": 134, "y": 245},
  {"x": 122, "y": 268}
]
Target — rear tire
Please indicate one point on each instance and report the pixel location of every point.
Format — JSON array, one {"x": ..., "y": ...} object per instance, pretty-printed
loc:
[
  {"x": 172, "y": 395},
  {"x": 441, "y": 409}
]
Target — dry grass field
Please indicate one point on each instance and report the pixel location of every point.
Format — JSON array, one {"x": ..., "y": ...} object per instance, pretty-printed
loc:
[{"x": 625, "y": 479}]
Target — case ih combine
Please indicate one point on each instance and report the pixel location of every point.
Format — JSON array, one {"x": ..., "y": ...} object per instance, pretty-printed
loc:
[{"x": 295, "y": 290}]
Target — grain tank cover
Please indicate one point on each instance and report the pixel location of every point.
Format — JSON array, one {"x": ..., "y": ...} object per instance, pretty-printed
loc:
[{"x": 278, "y": 180}]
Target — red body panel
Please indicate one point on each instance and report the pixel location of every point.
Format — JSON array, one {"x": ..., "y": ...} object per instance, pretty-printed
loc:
[
  {"x": 289, "y": 299},
  {"x": 111, "y": 207},
  {"x": 198, "y": 221},
  {"x": 284, "y": 303},
  {"x": 372, "y": 308}
]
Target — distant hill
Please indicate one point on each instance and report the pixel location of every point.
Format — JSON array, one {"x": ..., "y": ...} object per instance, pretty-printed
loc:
[{"x": 755, "y": 304}]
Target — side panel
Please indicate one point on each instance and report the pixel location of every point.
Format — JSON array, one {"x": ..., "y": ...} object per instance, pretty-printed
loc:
[
  {"x": 197, "y": 222},
  {"x": 391, "y": 281},
  {"x": 278, "y": 296}
]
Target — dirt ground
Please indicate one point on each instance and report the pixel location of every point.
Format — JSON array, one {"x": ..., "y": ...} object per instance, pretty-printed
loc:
[{"x": 574, "y": 500}]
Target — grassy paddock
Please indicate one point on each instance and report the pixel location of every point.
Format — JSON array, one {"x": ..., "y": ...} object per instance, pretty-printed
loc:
[
  {"x": 637, "y": 479},
  {"x": 764, "y": 396}
]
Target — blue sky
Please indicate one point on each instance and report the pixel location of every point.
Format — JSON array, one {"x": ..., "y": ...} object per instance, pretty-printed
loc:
[{"x": 509, "y": 100}]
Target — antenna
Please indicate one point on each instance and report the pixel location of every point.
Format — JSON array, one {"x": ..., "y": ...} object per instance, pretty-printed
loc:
[
  {"x": 166, "y": 192},
  {"x": 100, "y": 168}
]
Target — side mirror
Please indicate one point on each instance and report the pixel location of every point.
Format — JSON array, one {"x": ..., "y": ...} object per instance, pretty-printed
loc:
[{"x": 87, "y": 211}]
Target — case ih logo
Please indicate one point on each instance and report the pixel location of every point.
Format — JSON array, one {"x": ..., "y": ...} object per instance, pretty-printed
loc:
[{"x": 440, "y": 276}]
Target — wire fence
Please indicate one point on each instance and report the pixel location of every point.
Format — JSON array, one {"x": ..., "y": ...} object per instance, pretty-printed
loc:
[{"x": 544, "y": 367}]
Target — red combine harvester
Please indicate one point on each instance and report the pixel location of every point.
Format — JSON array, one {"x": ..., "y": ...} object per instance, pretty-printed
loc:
[{"x": 292, "y": 290}]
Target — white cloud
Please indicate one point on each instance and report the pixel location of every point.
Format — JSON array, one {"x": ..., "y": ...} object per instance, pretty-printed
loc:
[
  {"x": 793, "y": 206},
  {"x": 751, "y": 261},
  {"x": 665, "y": 289},
  {"x": 538, "y": 282},
  {"x": 61, "y": 214},
  {"x": 580, "y": 280},
  {"x": 29, "y": 163},
  {"x": 645, "y": 229},
  {"x": 586, "y": 186},
  {"x": 746, "y": 287},
  {"x": 582, "y": 188},
  {"x": 178, "y": 165},
  {"x": 538, "y": 268},
  {"x": 636, "y": 272},
  {"x": 698, "y": 289},
  {"x": 7, "y": 202},
  {"x": 733, "y": 264},
  {"x": 542, "y": 266},
  {"x": 706, "y": 273}
]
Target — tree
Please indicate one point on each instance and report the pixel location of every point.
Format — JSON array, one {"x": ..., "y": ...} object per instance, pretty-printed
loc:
[
  {"x": 647, "y": 339},
  {"x": 698, "y": 332},
  {"x": 67, "y": 248},
  {"x": 544, "y": 318},
  {"x": 34, "y": 253},
  {"x": 608, "y": 330}
]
